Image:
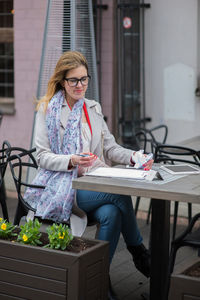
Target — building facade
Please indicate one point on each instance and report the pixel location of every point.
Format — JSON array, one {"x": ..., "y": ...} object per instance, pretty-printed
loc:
[{"x": 169, "y": 67}]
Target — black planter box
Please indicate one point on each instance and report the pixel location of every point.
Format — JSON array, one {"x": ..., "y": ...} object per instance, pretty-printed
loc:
[{"x": 28, "y": 272}]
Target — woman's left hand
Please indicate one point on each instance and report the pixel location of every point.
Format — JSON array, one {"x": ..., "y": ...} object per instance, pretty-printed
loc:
[
  {"x": 140, "y": 160},
  {"x": 148, "y": 165}
]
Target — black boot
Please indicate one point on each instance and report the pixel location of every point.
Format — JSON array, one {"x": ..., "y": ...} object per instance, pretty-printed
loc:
[
  {"x": 141, "y": 258},
  {"x": 111, "y": 292}
]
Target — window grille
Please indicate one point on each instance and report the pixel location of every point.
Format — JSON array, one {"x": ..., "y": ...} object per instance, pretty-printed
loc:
[{"x": 6, "y": 49}]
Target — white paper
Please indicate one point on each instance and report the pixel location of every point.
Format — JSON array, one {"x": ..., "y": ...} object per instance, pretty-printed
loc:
[{"x": 119, "y": 173}]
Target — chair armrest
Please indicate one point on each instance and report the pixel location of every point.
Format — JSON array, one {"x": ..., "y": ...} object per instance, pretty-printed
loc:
[{"x": 32, "y": 185}]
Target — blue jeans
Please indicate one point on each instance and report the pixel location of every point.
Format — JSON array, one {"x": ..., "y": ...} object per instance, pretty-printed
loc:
[{"x": 114, "y": 213}]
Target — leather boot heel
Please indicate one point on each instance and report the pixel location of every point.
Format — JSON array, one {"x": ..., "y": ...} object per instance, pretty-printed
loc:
[{"x": 141, "y": 258}]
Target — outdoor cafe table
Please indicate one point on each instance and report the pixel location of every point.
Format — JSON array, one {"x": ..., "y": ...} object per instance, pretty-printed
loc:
[{"x": 184, "y": 189}]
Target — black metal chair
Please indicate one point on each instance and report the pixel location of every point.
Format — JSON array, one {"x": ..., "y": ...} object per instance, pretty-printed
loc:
[
  {"x": 190, "y": 238},
  {"x": 153, "y": 136},
  {"x": 173, "y": 154},
  {"x": 148, "y": 139},
  {"x": 3, "y": 166},
  {"x": 20, "y": 160}
]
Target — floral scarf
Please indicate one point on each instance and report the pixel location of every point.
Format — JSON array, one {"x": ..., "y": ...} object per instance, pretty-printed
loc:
[{"x": 56, "y": 200}]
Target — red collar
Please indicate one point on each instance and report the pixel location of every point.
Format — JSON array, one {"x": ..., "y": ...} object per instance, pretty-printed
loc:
[{"x": 86, "y": 115}]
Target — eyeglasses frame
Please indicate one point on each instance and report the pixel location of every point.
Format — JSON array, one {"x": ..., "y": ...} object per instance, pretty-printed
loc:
[{"x": 89, "y": 77}]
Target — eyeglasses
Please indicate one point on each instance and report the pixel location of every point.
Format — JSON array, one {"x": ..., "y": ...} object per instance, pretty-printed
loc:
[{"x": 74, "y": 81}]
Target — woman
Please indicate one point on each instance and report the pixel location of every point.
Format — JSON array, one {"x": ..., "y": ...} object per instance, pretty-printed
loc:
[{"x": 72, "y": 137}]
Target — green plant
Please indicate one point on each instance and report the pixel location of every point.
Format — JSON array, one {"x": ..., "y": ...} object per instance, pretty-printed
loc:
[
  {"x": 30, "y": 233},
  {"x": 6, "y": 229},
  {"x": 59, "y": 236}
]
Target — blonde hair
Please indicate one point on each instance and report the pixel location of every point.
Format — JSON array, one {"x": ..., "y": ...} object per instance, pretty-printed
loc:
[{"x": 69, "y": 60}]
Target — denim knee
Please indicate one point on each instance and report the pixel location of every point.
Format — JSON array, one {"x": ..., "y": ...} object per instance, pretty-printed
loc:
[
  {"x": 109, "y": 215},
  {"x": 124, "y": 202}
]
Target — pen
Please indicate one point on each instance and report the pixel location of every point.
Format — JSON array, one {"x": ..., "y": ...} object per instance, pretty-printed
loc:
[
  {"x": 148, "y": 157},
  {"x": 83, "y": 155}
]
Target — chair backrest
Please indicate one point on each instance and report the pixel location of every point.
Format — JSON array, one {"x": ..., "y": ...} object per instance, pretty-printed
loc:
[
  {"x": 174, "y": 153},
  {"x": 20, "y": 160},
  {"x": 152, "y": 137},
  {"x": 3, "y": 159},
  {"x": 141, "y": 140},
  {"x": 17, "y": 158},
  {"x": 159, "y": 133},
  {"x": 3, "y": 167}
]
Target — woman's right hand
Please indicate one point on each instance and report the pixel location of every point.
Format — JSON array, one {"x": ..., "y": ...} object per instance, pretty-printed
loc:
[
  {"x": 97, "y": 163},
  {"x": 83, "y": 161}
]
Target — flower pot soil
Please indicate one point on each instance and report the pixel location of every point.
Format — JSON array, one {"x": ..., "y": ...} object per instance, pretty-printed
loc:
[
  {"x": 76, "y": 245},
  {"x": 194, "y": 271}
]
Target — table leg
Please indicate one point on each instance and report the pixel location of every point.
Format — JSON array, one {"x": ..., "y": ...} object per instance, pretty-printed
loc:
[{"x": 160, "y": 235}]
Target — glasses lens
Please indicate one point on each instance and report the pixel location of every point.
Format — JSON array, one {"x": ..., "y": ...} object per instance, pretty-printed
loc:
[
  {"x": 84, "y": 80},
  {"x": 73, "y": 82}
]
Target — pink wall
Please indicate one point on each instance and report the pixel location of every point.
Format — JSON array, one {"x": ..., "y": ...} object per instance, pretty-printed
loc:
[
  {"x": 107, "y": 61},
  {"x": 29, "y": 20}
]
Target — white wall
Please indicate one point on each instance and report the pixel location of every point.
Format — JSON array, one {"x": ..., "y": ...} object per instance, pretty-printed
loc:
[{"x": 172, "y": 66}]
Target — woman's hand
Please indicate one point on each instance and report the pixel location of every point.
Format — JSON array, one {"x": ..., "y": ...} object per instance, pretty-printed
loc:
[
  {"x": 140, "y": 160},
  {"x": 97, "y": 163},
  {"x": 148, "y": 165},
  {"x": 85, "y": 159}
]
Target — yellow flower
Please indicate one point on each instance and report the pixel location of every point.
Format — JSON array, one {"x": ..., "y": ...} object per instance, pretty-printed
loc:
[
  {"x": 61, "y": 236},
  {"x": 3, "y": 226},
  {"x": 1, "y": 219},
  {"x": 25, "y": 238}
]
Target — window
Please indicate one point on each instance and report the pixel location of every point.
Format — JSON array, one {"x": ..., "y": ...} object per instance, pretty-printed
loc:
[
  {"x": 6, "y": 13},
  {"x": 6, "y": 70},
  {"x": 6, "y": 54}
]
